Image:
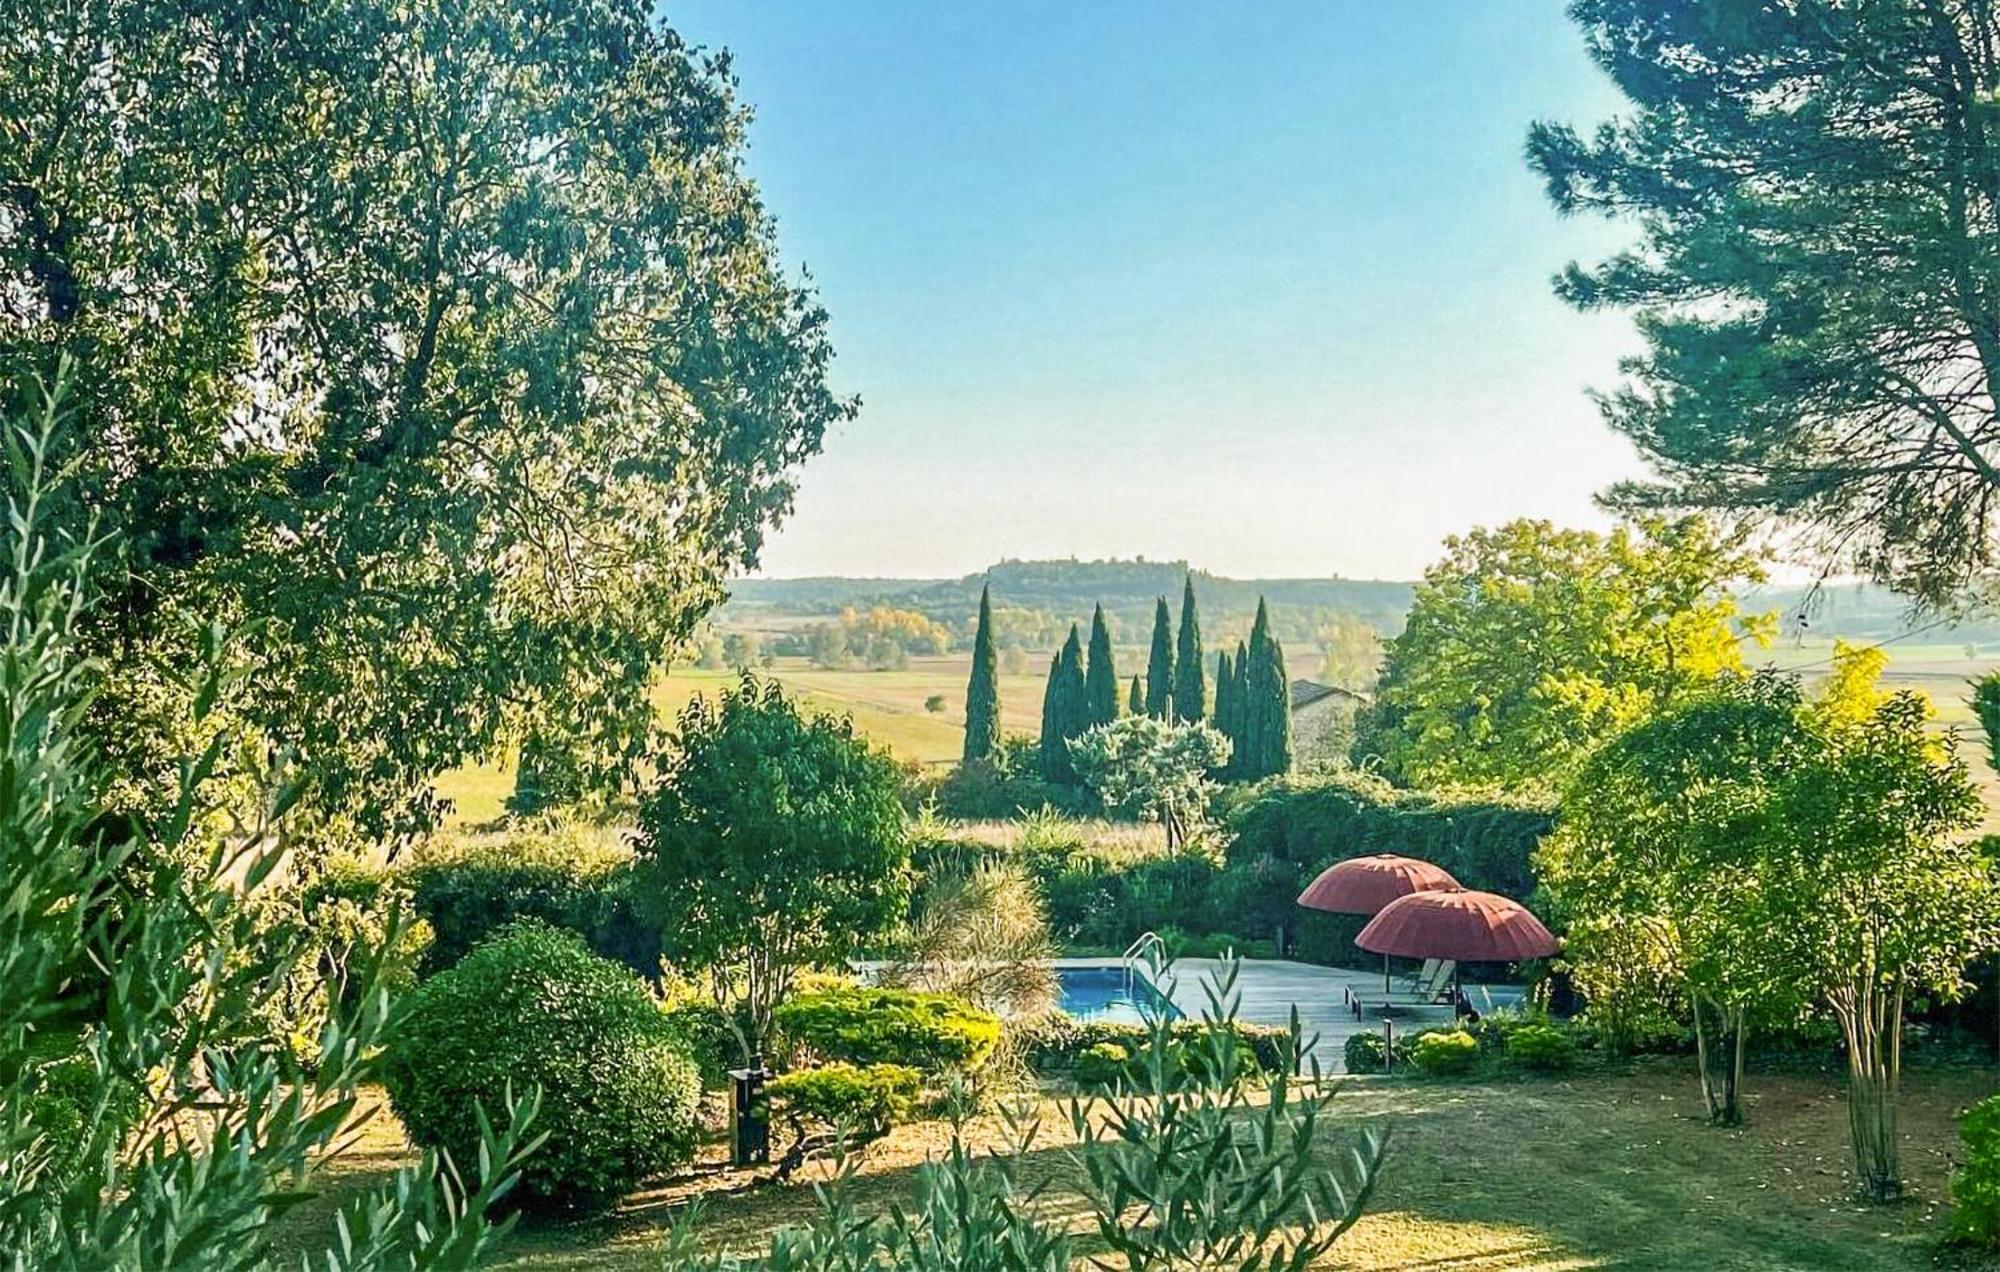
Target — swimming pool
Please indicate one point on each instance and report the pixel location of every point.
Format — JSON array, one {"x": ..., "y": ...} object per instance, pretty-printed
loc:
[{"x": 1110, "y": 993}]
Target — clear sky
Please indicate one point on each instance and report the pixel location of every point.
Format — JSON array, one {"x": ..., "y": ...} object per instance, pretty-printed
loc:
[{"x": 1260, "y": 285}]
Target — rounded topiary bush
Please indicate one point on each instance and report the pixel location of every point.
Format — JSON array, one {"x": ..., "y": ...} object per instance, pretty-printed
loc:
[
  {"x": 1444, "y": 1052},
  {"x": 932, "y": 1032},
  {"x": 534, "y": 1007},
  {"x": 1102, "y": 1065}
]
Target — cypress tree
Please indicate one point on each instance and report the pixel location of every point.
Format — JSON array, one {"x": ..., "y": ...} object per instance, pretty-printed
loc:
[
  {"x": 982, "y": 692},
  {"x": 1190, "y": 693},
  {"x": 1100, "y": 684},
  {"x": 1135, "y": 702},
  {"x": 1063, "y": 710},
  {"x": 1239, "y": 709},
  {"x": 1266, "y": 703},
  {"x": 1160, "y": 666},
  {"x": 1225, "y": 690}
]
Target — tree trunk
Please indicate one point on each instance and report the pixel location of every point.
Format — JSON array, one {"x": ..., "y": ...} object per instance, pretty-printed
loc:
[{"x": 1720, "y": 1059}]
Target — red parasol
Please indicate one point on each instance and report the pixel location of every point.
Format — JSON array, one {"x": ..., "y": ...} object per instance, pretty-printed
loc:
[
  {"x": 1363, "y": 885},
  {"x": 1467, "y": 927}
]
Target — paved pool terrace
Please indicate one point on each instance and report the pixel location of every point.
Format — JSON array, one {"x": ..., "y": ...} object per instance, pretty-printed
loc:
[{"x": 1267, "y": 990}]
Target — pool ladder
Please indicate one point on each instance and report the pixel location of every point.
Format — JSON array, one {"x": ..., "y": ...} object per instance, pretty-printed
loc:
[{"x": 1147, "y": 942}]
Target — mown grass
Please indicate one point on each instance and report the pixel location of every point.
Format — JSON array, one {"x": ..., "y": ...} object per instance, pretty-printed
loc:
[{"x": 1614, "y": 1170}]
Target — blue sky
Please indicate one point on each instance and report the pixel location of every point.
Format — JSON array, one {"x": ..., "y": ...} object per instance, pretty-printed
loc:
[{"x": 1264, "y": 286}]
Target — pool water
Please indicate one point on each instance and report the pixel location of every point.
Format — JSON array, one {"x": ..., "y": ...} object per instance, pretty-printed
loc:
[{"x": 1110, "y": 993}]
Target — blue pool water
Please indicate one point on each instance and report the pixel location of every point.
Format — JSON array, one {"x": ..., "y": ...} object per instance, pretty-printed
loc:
[{"x": 1110, "y": 993}]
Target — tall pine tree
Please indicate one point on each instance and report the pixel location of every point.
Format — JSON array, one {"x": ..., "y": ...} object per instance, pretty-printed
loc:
[
  {"x": 1239, "y": 710},
  {"x": 1063, "y": 710},
  {"x": 1160, "y": 666},
  {"x": 1190, "y": 692},
  {"x": 1100, "y": 683},
  {"x": 1225, "y": 698},
  {"x": 1135, "y": 702},
  {"x": 982, "y": 691}
]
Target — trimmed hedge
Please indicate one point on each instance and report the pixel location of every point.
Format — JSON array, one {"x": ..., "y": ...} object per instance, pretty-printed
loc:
[
  {"x": 555, "y": 879},
  {"x": 1545, "y": 1048},
  {"x": 864, "y": 1100},
  {"x": 930, "y": 1032},
  {"x": 1484, "y": 840},
  {"x": 533, "y": 1007},
  {"x": 1057, "y": 1043},
  {"x": 1443, "y": 1052}
]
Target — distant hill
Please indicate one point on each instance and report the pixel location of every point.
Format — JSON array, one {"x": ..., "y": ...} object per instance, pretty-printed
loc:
[{"x": 1068, "y": 589}]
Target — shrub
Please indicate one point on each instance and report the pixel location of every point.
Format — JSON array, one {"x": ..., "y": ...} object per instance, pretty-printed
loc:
[
  {"x": 1485, "y": 841},
  {"x": 1975, "y": 1185},
  {"x": 1368, "y": 1053},
  {"x": 930, "y": 1032},
  {"x": 534, "y": 1007},
  {"x": 1102, "y": 1064},
  {"x": 863, "y": 1100},
  {"x": 1444, "y": 1051},
  {"x": 565, "y": 878},
  {"x": 1057, "y": 1042},
  {"x": 1548, "y": 1048}
]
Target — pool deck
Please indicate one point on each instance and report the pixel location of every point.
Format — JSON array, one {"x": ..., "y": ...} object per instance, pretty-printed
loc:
[{"x": 1267, "y": 990}]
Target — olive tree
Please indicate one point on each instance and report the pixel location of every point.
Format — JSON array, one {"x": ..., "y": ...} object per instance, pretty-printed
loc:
[
  {"x": 1152, "y": 768},
  {"x": 773, "y": 842}
]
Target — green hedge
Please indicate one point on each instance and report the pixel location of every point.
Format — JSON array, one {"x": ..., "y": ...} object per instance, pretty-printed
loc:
[
  {"x": 1485, "y": 841},
  {"x": 930, "y": 1032},
  {"x": 1058, "y": 1043},
  {"x": 469, "y": 894}
]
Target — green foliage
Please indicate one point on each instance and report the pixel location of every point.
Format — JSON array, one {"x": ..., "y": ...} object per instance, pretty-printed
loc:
[
  {"x": 1100, "y": 676},
  {"x": 1444, "y": 1052},
  {"x": 862, "y": 1101},
  {"x": 1190, "y": 699},
  {"x": 1975, "y": 1185},
  {"x": 562, "y": 877},
  {"x": 1008, "y": 785},
  {"x": 1812, "y": 276},
  {"x": 1544, "y": 1048},
  {"x": 534, "y": 1008},
  {"x": 1056, "y": 1043},
  {"x": 982, "y": 691},
  {"x": 1985, "y": 703},
  {"x": 547, "y": 775},
  {"x": 1154, "y": 769},
  {"x": 1160, "y": 666},
  {"x": 978, "y": 930},
  {"x": 1484, "y": 840},
  {"x": 1261, "y": 706},
  {"x": 931, "y": 1032},
  {"x": 1529, "y": 645},
  {"x": 1368, "y": 1053},
  {"x": 1102, "y": 1065},
  {"x": 708, "y": 1037},
  {"x": 142, "y": 1124},
  {"x": 1064, "y": 711},
  {"x": 772, "y": 842},
  {"x": 457, "y": 438}
]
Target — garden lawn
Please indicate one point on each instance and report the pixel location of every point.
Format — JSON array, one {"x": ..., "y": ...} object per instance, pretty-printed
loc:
[{"x": 1604, "y": 1171}]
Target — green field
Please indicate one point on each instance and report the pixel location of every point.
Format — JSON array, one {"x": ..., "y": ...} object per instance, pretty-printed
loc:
[{"x": 888, "y": 706}]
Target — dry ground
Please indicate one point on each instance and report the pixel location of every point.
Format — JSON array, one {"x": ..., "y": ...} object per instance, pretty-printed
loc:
[{"x": 1600, "y": 1172}]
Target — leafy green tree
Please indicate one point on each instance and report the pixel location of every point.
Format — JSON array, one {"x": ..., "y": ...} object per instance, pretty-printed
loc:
[
  {"x": 462, "y": 399},
  {"x": 1529, "y": 645},
  {"x": 982, "y": 691},
  {"x": 1664, "y": 848},
  {"x": 1100, "y": 678},
  {"x": 1160, "y": 666},
  {"x": 1985, "y": 703},
  {"x": 137, "y": 1130},
  {"x": 1063, "y": 715},
  {"x": 1818, "y": 259},
  {"x": 1190, "y": 692},
  {"x": 772, "y": 843},
  {"x": 1153, "y": 769}
]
